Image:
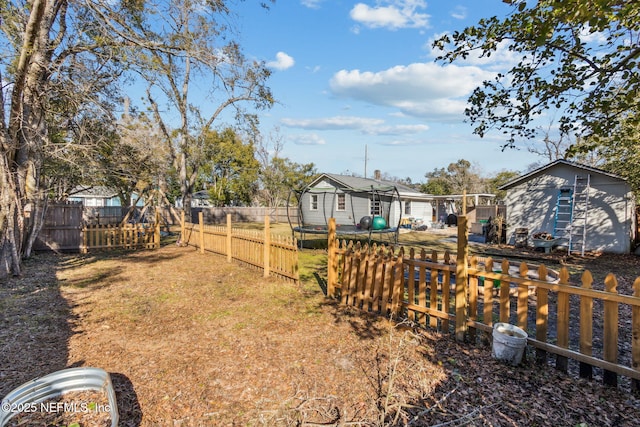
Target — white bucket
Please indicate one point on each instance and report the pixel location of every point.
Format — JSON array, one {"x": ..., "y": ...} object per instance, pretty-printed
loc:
[{"x": 509, "y": 343}]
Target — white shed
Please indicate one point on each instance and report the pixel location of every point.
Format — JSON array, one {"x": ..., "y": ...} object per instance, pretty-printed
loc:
[{"x": 584, "y": 208}]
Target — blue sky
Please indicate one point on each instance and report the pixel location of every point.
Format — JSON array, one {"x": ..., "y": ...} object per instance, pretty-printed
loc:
[{"x": 351, "y": 74}]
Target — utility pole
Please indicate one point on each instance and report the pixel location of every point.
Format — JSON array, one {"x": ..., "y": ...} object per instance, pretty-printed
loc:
[{"x": 366, "y": 157}]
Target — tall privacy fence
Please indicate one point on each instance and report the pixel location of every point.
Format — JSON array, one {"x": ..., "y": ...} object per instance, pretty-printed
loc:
[
  {"x": 65, "y": 230},
  {"x": 467, "y": 295},
  {"x": 218, "y": 215},
  {"x": 275, "y": 255}
]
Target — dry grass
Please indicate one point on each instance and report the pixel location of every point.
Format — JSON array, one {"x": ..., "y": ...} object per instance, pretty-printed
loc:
[{"x": 191, "y": 340}]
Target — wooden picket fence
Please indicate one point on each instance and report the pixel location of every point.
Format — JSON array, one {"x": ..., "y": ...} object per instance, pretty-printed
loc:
[
  {"x": 274, "y": 254},
  {"x": 466, "y": 295},
  {"x": 122, "y": 236}
]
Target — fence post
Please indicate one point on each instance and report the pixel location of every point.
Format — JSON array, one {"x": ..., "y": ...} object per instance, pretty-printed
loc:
[
  {"x": 461, "y": 278},
  {"x": 267, "y": 245},
  {"x": 473, "y": 298},
  {"x": 182, "y": 229},
  {"x": 332, "y": 270},
  {"x": 85, "y": 243},
  {"x": 610, "y": 331},
  {"x": 522, "y": 307},
  {"x": 398, "y": 286},
  {"x": 201, "y": 227},
  {"x": 635, "y": 336},
  {"x": 433, "y": 292},
  {"x": 411, "y": 282},
  {"x": 422, "y": 287},
  {"x": 157, "y": 230},
  {"x": 562, "y": 323},
  {"x": 586, "y": 326},
  {"x": 542, "y": 316},
  {"x": 229, "y": 254}
]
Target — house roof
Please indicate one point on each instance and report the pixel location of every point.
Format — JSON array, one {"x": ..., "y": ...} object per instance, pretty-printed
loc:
[
  {"x": 529, "y": 175},
  {"x": 96, "y": 191},
  {"x": 202, "y": 194},
  {"x": 354, "y": 183}
]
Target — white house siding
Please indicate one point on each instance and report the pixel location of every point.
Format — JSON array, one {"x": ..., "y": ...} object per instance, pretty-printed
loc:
[
  {"x": 420, "y": 209},
  {"x": 531, "y": 204}
]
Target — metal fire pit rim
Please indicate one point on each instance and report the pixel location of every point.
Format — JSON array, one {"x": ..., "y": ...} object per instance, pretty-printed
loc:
[{"x": 55, "y": 384}]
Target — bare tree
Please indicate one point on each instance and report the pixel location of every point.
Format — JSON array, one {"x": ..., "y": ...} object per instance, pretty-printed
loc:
[
  {"x": 279, "y": 176},
  {"x": 199, "y": 52},
  {"x": 60, "y": 62},
  {"x": 57, "y": 73}
]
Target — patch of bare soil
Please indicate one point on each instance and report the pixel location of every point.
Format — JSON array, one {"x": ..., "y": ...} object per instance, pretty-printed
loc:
[{"x": 190, "y": 340}]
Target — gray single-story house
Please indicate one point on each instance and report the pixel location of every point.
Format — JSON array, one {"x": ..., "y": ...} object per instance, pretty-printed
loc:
[
  {"x": 348, "y": 199},
  {"x": 583, "y": 207}
]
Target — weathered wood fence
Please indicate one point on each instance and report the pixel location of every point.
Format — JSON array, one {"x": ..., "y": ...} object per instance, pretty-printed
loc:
[
  {"x": 61, "y": 230},
  {"x": 466, "y": 295},
  {"x": 218, "y": 215},
  {"x": 275, "y": 255}
]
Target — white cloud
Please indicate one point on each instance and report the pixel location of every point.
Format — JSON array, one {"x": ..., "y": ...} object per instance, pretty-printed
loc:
[
  {"x": 311, "y": 4},
  {"x": 282, "y": 61},
  {"x": 502, "y": 59},
  {"x": 424, "y": 90},
  {"x": 396, "y": 130},
  {"x": 395, "y": 15},
  {"x": 588, "y": 36},
  {"x": 366, "y": 126},
  {"x": 460, "y": 12},
  {"x": 306, "y": 139},
  {"x": 332, "y": 123},
  {"x": 401, "y": 143}
]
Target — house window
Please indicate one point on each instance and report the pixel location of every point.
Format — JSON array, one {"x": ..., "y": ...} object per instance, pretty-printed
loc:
[
  {"x": 376, "y": 206},
  {"x": 407, "y": 207},
  {"x": 341, "y": 202},
  {"x": 314, "y": 202}
]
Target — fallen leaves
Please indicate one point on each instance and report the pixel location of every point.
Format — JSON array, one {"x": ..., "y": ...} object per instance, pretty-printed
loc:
[{"x": 211, "y": 343}]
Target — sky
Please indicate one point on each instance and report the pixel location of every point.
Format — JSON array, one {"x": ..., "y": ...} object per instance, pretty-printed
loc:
[{"x": 356, "y": 77}]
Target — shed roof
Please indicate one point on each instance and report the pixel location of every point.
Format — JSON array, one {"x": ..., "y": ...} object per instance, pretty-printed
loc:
[{"x": 529, "y": 175}]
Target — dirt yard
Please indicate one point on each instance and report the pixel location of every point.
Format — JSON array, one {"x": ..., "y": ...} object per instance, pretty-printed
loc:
[{"x": 190, "y": 340}]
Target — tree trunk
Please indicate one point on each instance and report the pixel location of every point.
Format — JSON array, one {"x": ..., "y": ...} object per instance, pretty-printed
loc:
[
  {"x": 186, "y": 206},
  {"x": 23, "y": 139},
  {"x": 38, "y": 212},
  {"x": 9, "y": 251}
]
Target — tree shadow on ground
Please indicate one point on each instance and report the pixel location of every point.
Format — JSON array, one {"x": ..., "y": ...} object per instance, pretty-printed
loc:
[
  {"x": 36, "y": 326},
  {"x": 365, "y": 325},
  {"x": 149, "y": 256},
  {"x": 322, "y": 283}
]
